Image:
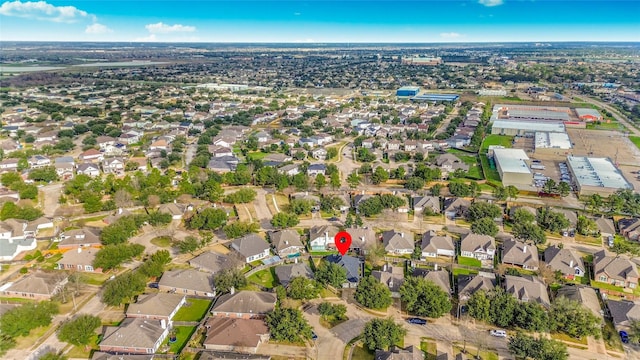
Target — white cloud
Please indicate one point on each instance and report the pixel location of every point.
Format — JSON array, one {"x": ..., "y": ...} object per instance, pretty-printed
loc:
[
  {"x": 97, "y": 29},
  {"x": 490, "y": 3},
  {"x": 450, "y": 35},
  {"x": 41, "y": 10},
  {"x": 150, "y": 38},
  {"x": 162, "y": 28}
]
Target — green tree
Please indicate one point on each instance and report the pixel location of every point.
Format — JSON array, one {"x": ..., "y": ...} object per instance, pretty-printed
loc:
[
  {"x": 19, "y": 321},
  {"x": 334, "y": 180},
  {"x": 551, "y": 220},
  {"x": 188, "y": 245},
  {"x": 521, "y": 215},
  {"x": 331, "y": 274},
  {"x": 481, "y": 209},
  {"x": 227, "y": 279},
  {"x": 512, "y": 192},
  {"x": 321, "y": 181},
  {"x": 424, "y": 298},
  {"x": 330, "y": 203},
  {"x": 529, "y": 231},
  {"x": 549, "y": 186},
  {"x": 300, "y": 206},
  {"x": 53, "y": 356},
  {"x": 435, "y": 190},
  {"x": 287, "y": 324},
  {"x": 373, "y": 294},
  {"x": 500, "y": 193},
  {"x": 336, "y": 311},
  {"x": 525, "y": 346},
  {"x": 563, "y": 188},
  {"x": 353, "y": 180},
  {"x": 111, "y": 256},
  {"x": 241, "y": 196},
  {"x": 208, "y": 219},
  {"x": 123, "y": 288},
  {"x": 380, "y": 175},
  {"x": 479, "y": 305},
  {"x": 414, "y": 183},
  {"x": 484, "y": 226},
  {"x": 240, "y": 228},
  {"x": 80, "y": 330},
  {"x": 284, "y": 220},
  {"x": 380, "y": 334},
  {"x": 302, "y": 288},
  {"x": 586, "y": 226},
  {"x": 570, "y": 317}
]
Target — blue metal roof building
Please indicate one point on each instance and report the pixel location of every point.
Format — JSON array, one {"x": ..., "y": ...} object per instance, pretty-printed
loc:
[
  {"x": 407, "y": 91},
  {"x": 436, "y": 97}
]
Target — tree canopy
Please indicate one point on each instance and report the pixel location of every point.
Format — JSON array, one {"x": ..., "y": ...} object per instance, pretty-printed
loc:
[
  {"x": 79, "y": 330},
  {"x": 331, "y": 274},
  {"x": 424, "y": 298},
  {"x": 380, "y": 334},
  {"x": 373, "y": 294},
  {"x": 286, "y": 324}
]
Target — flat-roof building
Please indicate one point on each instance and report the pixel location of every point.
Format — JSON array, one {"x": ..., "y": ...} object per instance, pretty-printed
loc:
[
  {"x": 596, "y": 176},
  {"x": 436, "y": 97},
  {"x": 551, "y": 142},
  {"x": 530, "y": 112},
  {"x": 525, "y": 128},
  {"x": 407, "y": 91},
  {"x": 512, "y": 167},
  {"x": 492, "y": 92}
]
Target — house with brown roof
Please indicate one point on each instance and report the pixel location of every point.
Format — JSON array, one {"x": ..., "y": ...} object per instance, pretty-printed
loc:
[
  {"x": 456, "y": 207},
  {"x": 285, "y": 273},
  {"x": 214, "y": 262},
  {"x": 527, "y": 288},
  {"x": 434, "y": 245},
  {"x": 286, "y": 242},
  {"x": 251, "y": 247},
  {"x": 440, "y": 278},
  {"x": 426, "y": 204},
  {"x": 79, "y": 238},
  {"x": 80, "y": 259},
  {"x": 361, "y": 239},
  {"x": 234, "y": 334},
  {"x": 134, "y": 336},
  {"x": 398, "y": 243},
  {"x": 567, "y": 261},
  {"x": 91, "y": 155},
  {"x": 481, "y": 247},
  {"x": 606, "y": 227},
  {"x": 518, "y": 253},
  {"x": 619, "y": 271},
  {"x": 469, "y": 285},
  {"x": 38, "y": 285},
  {"x": 392, "y": 277},
  {"x": 630, "y": 228},
  {"x": 158, "y": 306},
  {"x": 187, "y": 282},
  {"x": 244, "y": 304},
  {"x": 174, "y": 209}
]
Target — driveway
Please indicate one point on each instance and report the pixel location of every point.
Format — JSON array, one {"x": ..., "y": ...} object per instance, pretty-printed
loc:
[{"x": 51, "y": 194}]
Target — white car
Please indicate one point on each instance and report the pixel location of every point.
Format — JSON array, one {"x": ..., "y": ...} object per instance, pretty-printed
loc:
[{"x": 498, "y": 333}]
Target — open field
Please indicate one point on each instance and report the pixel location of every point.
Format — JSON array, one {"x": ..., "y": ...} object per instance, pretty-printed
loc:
[
  {"x": 193, "y": 310},
  {"x": 503, "y": 140}
]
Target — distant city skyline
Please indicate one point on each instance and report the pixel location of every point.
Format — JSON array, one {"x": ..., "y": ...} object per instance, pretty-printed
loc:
[{"x": 317, "y": 21}]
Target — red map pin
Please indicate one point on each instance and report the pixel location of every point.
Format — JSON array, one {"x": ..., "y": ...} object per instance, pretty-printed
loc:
[{"x": 343, "y": 241}]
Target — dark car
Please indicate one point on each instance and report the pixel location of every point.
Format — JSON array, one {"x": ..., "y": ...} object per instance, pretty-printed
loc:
[
  {"x": 624, "y": 337},
  {"x": 314, "y": 336},
  {"x": 417, "y": 321},
  {"x": 153, "y": 285},
  {"x": 334, "y": 219}
]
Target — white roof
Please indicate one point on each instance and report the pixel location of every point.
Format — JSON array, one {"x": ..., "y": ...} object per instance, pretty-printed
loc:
[
  {"x": 555, "y": 140},
  {"x": 538, "y": 114},
  {"x": 597, "y": 172},
  {"x": 529, "y": 125},
  {"x": 512, "y": 160},
  {"x": 585, "y": 111}
]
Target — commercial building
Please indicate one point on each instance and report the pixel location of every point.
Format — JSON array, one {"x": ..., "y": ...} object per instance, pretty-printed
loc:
[
  {"x": 551, "y": 142},
  {"x": 492, "y": 92},
  {"x": 512, "y": 167},
  {"x": 436, "y": 97},
  {"x": 530, "y": 112},
  {"x": 525, "y": 128},
  {"x": 408, "y": 91},
  {"x": 422, "y": 61},
  {"x": 596, "y": 176},
  {"x": 588, "y": 114}
]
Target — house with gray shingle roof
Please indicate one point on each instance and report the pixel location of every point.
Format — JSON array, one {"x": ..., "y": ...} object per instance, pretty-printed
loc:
[
  {"x": 619, "y": 271},
  {"x": 214, "y": 262},
  {"x": 353, "y": 265},
  {"x": 285, "y": 273},
  {"x": 187, "y": 282},
  {"x": 527, "y": 288},
  {"x": 156, "y": 306},
  {"x": 469, "y": 285},
  {"x": 434, "y": 245},
  {"x": 427, "y": 204},
  {"x": 134, "y": 336},
  {"x": 606, "y": 227},
  {"x": 392, "y": 277},
  {"x": 481, "y": 247},
  {"x": 585, "y": 295},
  {"x": 518, "y": 253},
  {"x": 567, "y": 261},
  {"x": 623, "y": 313},
  {"x": 38, "y": 285},
  {"x": 244, "y": 304},
  {"x": 251, "y": 247},
  {"x": 286, "y": 242},
  {"x": 440, "y": 278},
  {"x": 398, "y": 242}
]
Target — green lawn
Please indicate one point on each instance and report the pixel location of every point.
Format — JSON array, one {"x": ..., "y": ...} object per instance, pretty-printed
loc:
[
  {"x": 183, "y": 333},
  {"x": 601, "y": 285},
  {"x": 258, "y": 155},
  {"x": 461, "y": 271},
  {"x": 161, "y": 241},
  {"x": 490, "y": 174},
  {"x": 469, "y": 261},
  {"x": 193, "y": 310},
  {"x": 361, "y": 353},
  {"x": 605, "y": 126},
  {"x": 428, "y": 346},
  {"x": 635, "y": 140},
  {"x": 503, "y": 140},
  {"x": 565, "y": 337},
  {"x": 265, "y": 278}
]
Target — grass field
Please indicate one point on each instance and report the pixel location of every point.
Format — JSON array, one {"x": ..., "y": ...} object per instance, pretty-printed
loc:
[
  {"x": 469, "y": 261},
  {"x": 460, "y": 271},
  {"x": 361, "y": 353},
  {"x": 183, "y": 333},
  {"x": 503, "y": 140},
  {"x": 567, "y": 338},
  {"x": 258, "y": 155},
  {"x": 265, "y": 278},
  {"x": 193, "y": 310},
  {"x": 635, "y": 140},
  {"x": 490, "y": 174},
  {"x": 161, "y": 241},
  {"x": 428, "y": 346}
]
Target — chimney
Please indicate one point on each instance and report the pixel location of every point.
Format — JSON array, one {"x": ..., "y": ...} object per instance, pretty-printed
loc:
[
  {"x": 384, "y": 268},
  {"x": 163, "y": 324},
  {"x": 571, "y": 263},
  {"x": 175, "y": 201},
  {"x": 232, "y": 290},
  {"x": 435, "y": 267},
  {"x": 524, "y": 249},
  {"x": 401, "y": 234}
]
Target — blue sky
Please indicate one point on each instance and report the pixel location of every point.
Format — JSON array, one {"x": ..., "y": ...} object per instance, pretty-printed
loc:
[{"x": 320, "y": 21}]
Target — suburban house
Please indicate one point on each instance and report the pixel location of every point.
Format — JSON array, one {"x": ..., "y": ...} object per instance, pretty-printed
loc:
[
  {"x": 353, "y": 265},
  {"x": 78, "y": 238},
  {"x": 99, "y": 355},
  {"x": 13, "y": 239},
  {"x": 89, "y": 169},
  {"x": 527, "y": 288},
  {"x": 38, "y": 285},
  {"x": 174, "y": 209},
  {"x": 91, "y": 155},
  {"x": 361, "y": 239},
  {"x": 316, "y": 169},
  {"x": 213, "y": 262},
  {"x": 38, "y": 161},
  {"x": 134, "y": 336},
  {"x": 113, "y": 166},
  {"x": 426, "y": 204},
  {"x": 244, "y": 304},
  {"x": 286, "y": 243},
  {"x": 440, "y": 278},
  {"x": 251, "y": 247},
  {"x": 456, "y": 207},
  {"x": 322, "y": 236},
  {"x": 630, "y": 228},
  {"x": 623, "y": 313},
  {"x": 449, "y": 163},
  {"x": 481, "y": 247},
  {"x": 619, "y": 271},
  {"x": 564, "y": 260},
  {"x": 397, "y": 242},
  {"x": 410, "y": 353},
  {"x": 187, "y": 282},
  {"x": 585, "y": 295},
  {"x": 518, "y": 253},
  {"x": 434, "y": 245},
  {"x": 158, "y": 306},
  {"x": 233, "y": 334},
  {"x": 319, "y": 154},
  {"x": 291, "y": 169},
  {"x": 392, "y": 277},
  {"x": 285, "y": 273},
  {"x": 79, "y": 260},
  {"x": 606, "y": 227},
  {"x": 469, "y": 285}
]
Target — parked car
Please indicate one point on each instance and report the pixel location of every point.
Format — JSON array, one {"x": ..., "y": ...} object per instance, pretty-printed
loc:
[
  {"x": 417, "y": 321},
  {"x": 624, "y": 337},
  {"x": 153, "y": 285},
  {"x": 498, "y": 333},
  {"x": 314, "y": 336}
]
